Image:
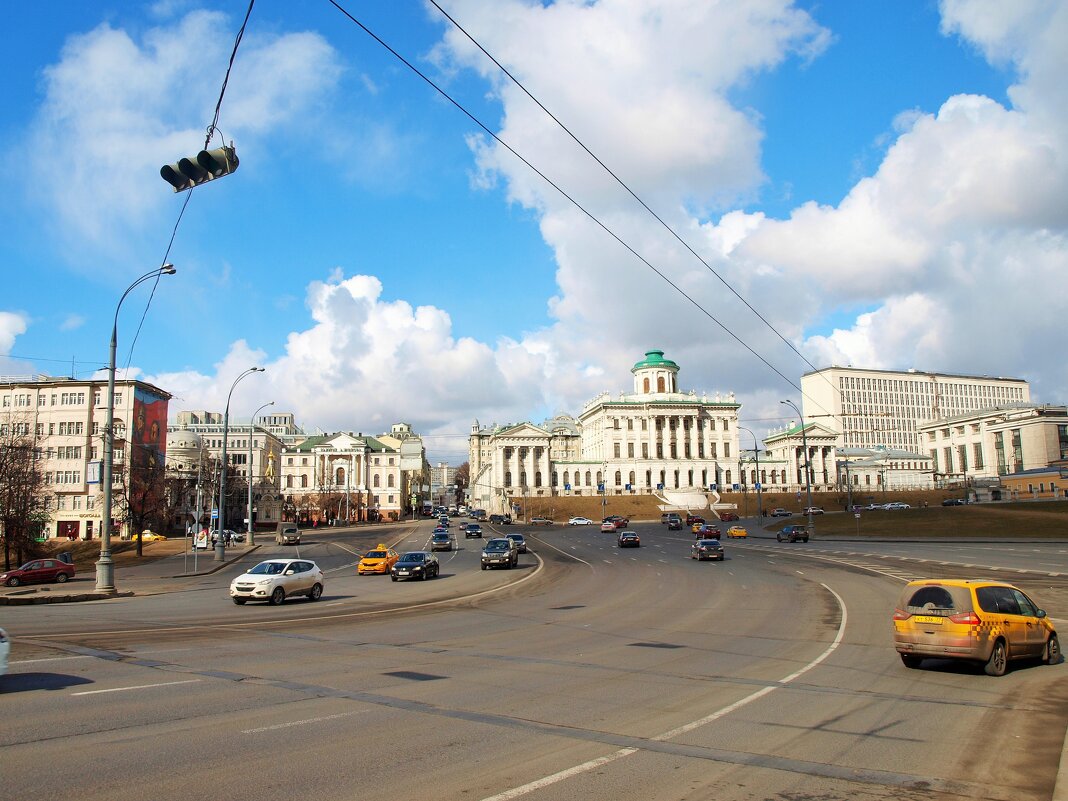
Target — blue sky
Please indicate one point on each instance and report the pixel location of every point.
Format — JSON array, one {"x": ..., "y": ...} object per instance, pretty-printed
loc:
[{"x": 883, "y": 181}]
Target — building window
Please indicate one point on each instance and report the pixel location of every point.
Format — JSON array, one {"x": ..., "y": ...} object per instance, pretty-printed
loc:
[
  {"x": 304, "y": 481},
  {"x": 726, "y": 450},
  {"x": 389, "y": 479},
  {"x": 630, "y": 450},
  {"x": 645, "y": 385},
  {"x": 619, "y": 478},
  {"x": 339, "y": 476},
  {"x": 377, "y": 481},
  {"x": 615, "y": 450},
  {"x": 660, "y": 383}
]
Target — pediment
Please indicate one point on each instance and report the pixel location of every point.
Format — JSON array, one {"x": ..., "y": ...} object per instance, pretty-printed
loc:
[{"x": 524, "y": 430}]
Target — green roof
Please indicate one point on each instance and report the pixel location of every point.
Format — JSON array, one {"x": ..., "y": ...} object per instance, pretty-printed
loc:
[{"x": 654, "y": 358}]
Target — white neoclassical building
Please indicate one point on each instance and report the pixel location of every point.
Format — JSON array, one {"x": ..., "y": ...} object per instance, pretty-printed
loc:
[{"x": 656, "y": 437}]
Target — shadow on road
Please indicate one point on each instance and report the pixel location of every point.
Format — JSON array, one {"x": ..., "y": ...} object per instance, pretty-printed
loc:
[{"x": 25, "y": 682}]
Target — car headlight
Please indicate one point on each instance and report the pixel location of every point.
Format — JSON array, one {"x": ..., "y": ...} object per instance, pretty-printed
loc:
[{"x": 262, "y": 582}]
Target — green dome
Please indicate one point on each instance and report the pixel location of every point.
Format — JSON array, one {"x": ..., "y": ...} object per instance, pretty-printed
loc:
[{"x": 654, "y": 358}]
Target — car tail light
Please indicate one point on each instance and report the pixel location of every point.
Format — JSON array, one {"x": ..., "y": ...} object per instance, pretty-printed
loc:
[
  {"x": 899, "y": 615},
  {"x": 966, "y": 618}
]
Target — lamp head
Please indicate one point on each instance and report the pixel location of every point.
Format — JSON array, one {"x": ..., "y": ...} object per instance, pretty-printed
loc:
[{"x": 167, "y": 269}]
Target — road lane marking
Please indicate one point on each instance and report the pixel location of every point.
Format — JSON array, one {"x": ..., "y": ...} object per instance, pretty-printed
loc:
[
  {"x": 137, "y": 687},
  {"x": 47, "y": 659},
  {"x": 277, "y": 726},
  {"x": 545, "y": 781}
]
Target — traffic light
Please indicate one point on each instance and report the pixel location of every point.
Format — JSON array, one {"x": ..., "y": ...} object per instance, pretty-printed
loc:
[{"x": 209, "y": 165}]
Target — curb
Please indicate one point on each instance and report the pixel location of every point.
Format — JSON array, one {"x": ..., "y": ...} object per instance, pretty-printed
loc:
[
  {"x": 221, "y": 565},
  {"x": 8, "y": 600}
]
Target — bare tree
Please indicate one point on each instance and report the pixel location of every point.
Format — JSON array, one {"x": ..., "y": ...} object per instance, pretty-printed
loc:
[{"x": 23, "y": 497}]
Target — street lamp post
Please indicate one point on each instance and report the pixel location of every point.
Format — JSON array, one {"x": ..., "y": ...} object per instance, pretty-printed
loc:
[
  {"x": 250, "y": 533},
  {"x": 105, "y": 568},
  {"x": 220, "y": 544},
  {"x": 756, "y": 454},
  {"x": 804, "y": 444}
]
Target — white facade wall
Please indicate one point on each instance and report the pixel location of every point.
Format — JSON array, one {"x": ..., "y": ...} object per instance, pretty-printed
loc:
[{"x": 868, "y": 408}]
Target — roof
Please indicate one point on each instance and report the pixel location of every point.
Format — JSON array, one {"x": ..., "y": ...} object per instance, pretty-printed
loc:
[{"x": 654, "y": 358}]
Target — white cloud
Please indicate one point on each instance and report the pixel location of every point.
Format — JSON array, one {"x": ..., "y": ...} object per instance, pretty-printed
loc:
[
  {"x": 12, "y": 324},
  {"x": 98, "y": 151}
]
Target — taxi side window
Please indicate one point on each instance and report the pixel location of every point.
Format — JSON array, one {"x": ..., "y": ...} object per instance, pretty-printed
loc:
[
  {"x": 1006, "y": 601},
  {"x": 931, "y": 598},
  {"x": 987, "y": 598},
  {"x": 1026, "y": 607}
]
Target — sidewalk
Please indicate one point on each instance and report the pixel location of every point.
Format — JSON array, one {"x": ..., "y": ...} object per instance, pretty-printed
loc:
[{"x": 150, "y": 578}]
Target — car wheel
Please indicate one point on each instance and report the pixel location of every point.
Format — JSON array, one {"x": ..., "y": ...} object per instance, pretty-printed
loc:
[
  {"x": 239, "y": 601},
  {"x": 911, "y": 661},
  {"x": 316, "y": 592},
  {"x": 999, "y": 660},
  {"x": 61, "y": 578},
  {"x": 392, "y": 578},
  {"x": 778, "y": 537},
  {"x": 1053, "y": 655},
  {"x": 278, "y": 596},
  {"x": 805, "y": 539},
  {"x": 14, "y": 581}
]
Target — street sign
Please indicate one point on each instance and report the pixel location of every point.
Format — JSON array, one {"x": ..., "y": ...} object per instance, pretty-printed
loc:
[
  {"x": 214, "y": 514},
  {"x": 757, "y": 485},
  {"x": 735, "y": 487}
]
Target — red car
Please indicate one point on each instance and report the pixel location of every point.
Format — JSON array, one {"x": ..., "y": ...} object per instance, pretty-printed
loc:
[
  {"x": 618, "y": 520},
  {"x": 38, "y": 571},
  {"x": 691, "y": 519},
  {"x": 728, "y": 517}
]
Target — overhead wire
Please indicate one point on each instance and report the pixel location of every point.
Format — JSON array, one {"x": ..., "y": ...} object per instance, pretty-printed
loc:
[
  {"x": 212, "y": 128},
  {"x": 630, "y": 191},
  {"x": 561, "y": 191}
]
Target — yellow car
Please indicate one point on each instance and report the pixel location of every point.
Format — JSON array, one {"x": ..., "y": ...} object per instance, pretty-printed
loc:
[
  {"x": 379, "y": 560},
  {"x": 737, "y": 532},
  {"x": 987, "y": 622},
  {"x": 149, "y": 536}
]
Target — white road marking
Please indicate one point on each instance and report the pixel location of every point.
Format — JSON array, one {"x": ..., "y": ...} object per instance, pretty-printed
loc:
[
  {"x": 137, "y": 687},
  {"x": 47, "y": 659},
  {"x": 545, "y": 781},
  {"x": 277, "y": 726}
]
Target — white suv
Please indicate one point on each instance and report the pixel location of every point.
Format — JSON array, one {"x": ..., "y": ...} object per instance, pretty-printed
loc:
[{"x": 276, "y": 579}]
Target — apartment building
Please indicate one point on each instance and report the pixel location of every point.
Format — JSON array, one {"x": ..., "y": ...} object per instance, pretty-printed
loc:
[
  {"x": 887, "y": 408},
  {"x": 64, "y": 420}
]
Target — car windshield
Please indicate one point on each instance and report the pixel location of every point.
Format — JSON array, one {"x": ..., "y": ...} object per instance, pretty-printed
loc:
[
  {"x": 441, "y": 536},
  {"x": 268, "y": 569},
  {"x": 709, "y": 543},
  {"x": 497, "y": 546},
  {"x": 375, "y": 555},
  {"x": 412, "y": 557}
]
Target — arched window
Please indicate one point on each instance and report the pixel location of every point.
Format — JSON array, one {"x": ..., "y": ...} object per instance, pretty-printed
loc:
[
  {"x": 619, "y": 478},
  {"x": 689, "y": 478},
  {"x": 304, "y": 481},
  {"x": 660, "y": 384},
  {"x": 567, "y": 477},
  {"x": 645, "y": 385},
  {"x": 289, "y": 482},
  {"x": 378, "y": 480},
  {"x": 663, "y": 478},
  {"x": 783, "y": 477},
  {"x": 588, "y": 478},
  {"x": 537, "y": 479},
  {"x": 726, "y": 476},
  {"x": 508, "y": 479},
  {"x": 389, "y": 480},
  {"x": 753, "y": 477},
  {"x": 339, "y": 476},
  {"x": 523, "y": 478},
  {"x": 676, "y": 479},
  {"x": 556, "y": 478},
  {"x": 648, "y": 478},
  {"x": 630, "y": 479},
  {"x": 763, "y": 476},
  {"x": 599, "y": 478}
]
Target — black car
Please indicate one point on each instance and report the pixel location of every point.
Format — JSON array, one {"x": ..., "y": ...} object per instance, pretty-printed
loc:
[
  {"x": 520, "y": 542},
  {"x": 472, "y": 530},
  {"x": 953, "y": 502},
  {"x": 415, "y": 564},
  {"x": 500, "y": 520},
  {"x": 792, "y": 534},
  {"x": 441, "y": 541},
  {"x": 500, "y": 552},
  {"x": 629, "y": 539},
  {"x": 707, "y": 549}
]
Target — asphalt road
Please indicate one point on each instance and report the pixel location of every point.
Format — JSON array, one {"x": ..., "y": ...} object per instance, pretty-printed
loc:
[{"x": 588, "y": 672}]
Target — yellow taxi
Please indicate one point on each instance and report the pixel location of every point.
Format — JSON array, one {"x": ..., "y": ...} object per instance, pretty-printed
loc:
[
  {"x": 150, "y": 536},
  {"x": 987, "y": 622},
  {"x": 378, "y": 560},
  {"x": 737, "y": 532}
]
